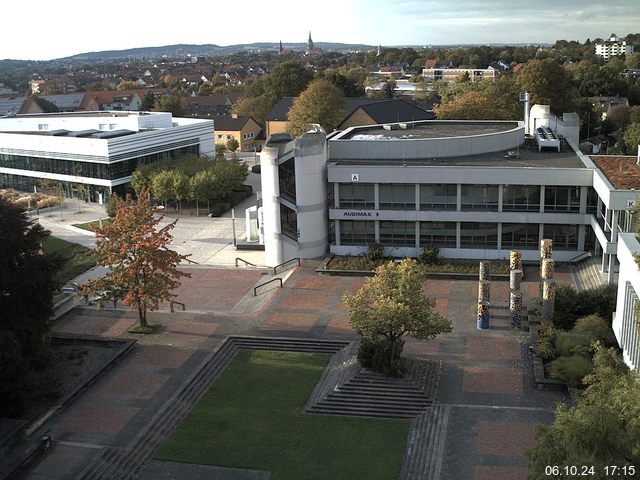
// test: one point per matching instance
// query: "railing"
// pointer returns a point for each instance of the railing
(255, 289)
(285, 264)
(184, 307)
(579, 257)
(191, 261)
(245, 262)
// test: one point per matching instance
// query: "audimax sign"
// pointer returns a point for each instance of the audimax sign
(360, 213)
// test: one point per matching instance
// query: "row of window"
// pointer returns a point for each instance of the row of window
(473, 197)
(444, 234)
(105, 171)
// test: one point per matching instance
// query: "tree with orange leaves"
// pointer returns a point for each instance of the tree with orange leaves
(142, 269)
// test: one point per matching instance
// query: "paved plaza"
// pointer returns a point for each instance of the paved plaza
(486, 381)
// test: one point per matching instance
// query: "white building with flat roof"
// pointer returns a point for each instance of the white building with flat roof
(97, 149)
(613, 47)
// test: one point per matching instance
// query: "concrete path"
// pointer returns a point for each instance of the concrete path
(486, 388)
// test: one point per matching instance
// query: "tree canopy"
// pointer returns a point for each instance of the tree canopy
(392, 304)
(549, 84)
(26, 292)
(320, 103)
(142, 268)
(602, 429)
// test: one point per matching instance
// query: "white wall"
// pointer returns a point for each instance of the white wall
(624, 324)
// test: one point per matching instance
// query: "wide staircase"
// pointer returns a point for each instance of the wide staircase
(586, 274)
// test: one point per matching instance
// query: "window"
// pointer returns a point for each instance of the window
(356, 195)
(521, 198)
(401, 196)
(43, 126)
(478, 235)
(592, 200)
(440, 234)
(564, 237)
(229, 137)
(399, 234)
(288, 222)
(438, 196)
(561, 199)
(287, 179)
(480, 197)
(102, 126)
(353, 232)
(520, 235)
(220, 137)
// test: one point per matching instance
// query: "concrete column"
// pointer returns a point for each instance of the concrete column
(515, 279)
(482, 322)
(484, 291)
(515, 308)
(500, 199)
(459, 198)
(548, 299)
(485, 270)
(336, 231)
(515, 260)
(547, 268)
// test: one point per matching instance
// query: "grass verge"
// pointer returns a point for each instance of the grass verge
(76, 259)
(94, 225)
(253, 417)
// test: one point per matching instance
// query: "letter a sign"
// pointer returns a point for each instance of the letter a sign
(355, 177)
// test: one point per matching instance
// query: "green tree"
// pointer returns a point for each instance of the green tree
(254, 107)
(147, 101)
(180, 187)
(169, 103)
(232, 144)
(287, 79)
(631, 138)
(26, 303)
(320, 103)
(392, 304)
(549, 84)
(142, 269)
(602, 429)
(202, 187)
(162, 186)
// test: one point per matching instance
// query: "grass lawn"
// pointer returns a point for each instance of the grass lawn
(253, 417)
(93, 226)
(76, 258)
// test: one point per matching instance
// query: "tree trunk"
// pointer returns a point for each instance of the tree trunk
(142, 316)
(197, 208)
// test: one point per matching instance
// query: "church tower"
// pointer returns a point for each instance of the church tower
(310, 46)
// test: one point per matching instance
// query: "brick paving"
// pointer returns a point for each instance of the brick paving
(486, 380)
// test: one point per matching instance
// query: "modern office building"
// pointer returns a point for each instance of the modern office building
(97, 149)
(625, 319)
(475, 189)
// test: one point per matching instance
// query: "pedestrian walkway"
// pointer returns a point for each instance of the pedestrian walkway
(486, 404)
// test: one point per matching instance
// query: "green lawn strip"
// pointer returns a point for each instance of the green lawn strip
(76, 259)
(94, 225)
(253, 417)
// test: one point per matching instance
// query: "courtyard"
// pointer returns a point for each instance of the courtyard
(486, 405)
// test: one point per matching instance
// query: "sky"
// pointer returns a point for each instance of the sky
(45, 30)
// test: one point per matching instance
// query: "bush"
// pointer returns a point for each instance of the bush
(375, 252)
(255, 168)
(110, 206)
(597, 329)
(545, 344)
(571, 369)
(564, 311)
(570, 343)
(571, 305)
(428, 255)
(376, 355)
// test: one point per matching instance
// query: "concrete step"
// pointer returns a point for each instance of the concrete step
(366, 411)
(367, 400)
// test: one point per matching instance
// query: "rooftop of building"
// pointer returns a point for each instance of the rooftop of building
(523, 157)
(622, 171)
(430, 129)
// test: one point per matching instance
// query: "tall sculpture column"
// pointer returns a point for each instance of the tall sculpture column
(515, 308)
(515, 280)
(548, 299)
(546, 249)
(484, 289)
(515, 260)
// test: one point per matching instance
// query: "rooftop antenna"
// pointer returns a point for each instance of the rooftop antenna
(524, 98)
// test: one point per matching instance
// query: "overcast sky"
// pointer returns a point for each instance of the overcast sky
(43, 30)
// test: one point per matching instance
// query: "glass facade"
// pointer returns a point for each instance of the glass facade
(480, 197)
(288, 222)
(397, 196)
(440, 234)
(287, 179)
(478, 235)
(398, 234)
(565, 237)
(105, 171)
(562, 199)
(438, 196)
(520, 235)
(356, 195)
(357, 233)
(521, 198)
